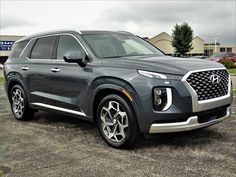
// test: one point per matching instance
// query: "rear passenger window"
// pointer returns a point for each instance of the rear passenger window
(42, 48)
(18, 48)
(67, 43)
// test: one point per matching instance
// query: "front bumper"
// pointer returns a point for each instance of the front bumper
(191, 124)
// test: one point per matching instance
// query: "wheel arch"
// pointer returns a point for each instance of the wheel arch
(11, 82)
(107, 89)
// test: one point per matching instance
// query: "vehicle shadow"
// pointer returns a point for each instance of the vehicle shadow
(48, 118)
(180, 139)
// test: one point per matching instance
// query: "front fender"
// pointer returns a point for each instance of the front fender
(117, 86)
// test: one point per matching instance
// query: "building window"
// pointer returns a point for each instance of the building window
(229, 49)
(208, 52)
(222, 49)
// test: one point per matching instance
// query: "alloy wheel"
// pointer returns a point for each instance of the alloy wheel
(114, 121)
(18, 103)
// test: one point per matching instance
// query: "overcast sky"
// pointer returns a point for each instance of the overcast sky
(209, 19)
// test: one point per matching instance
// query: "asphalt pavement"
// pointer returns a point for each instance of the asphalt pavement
(52, 145)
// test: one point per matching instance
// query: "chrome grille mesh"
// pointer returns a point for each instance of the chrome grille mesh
(205, 88)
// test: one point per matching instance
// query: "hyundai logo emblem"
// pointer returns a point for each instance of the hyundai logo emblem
(215, 79)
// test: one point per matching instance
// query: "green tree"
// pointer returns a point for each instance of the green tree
(182, 37)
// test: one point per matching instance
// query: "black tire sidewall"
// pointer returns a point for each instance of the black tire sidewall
(132, 125)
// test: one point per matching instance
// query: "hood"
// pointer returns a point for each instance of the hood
(162, 64)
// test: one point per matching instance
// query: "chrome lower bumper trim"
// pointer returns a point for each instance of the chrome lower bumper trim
(190, 124)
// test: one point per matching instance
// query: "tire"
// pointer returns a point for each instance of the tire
(117, 122)
(19, 104)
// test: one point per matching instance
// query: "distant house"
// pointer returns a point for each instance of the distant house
(198, 46)
(163, 42)
(211, 48)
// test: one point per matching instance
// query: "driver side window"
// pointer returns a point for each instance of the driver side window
(67, 43)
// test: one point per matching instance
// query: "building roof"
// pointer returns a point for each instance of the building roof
(162, 33)
(165, 33)
(5, 35)
(198, 38)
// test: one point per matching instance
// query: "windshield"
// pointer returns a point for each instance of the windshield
(119, 45)
(217, 55)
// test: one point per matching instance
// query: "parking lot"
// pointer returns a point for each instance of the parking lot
(54, 145)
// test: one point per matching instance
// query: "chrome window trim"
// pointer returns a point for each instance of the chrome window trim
(57, 34)
(24, 48)
(198, 106)
(80, 113)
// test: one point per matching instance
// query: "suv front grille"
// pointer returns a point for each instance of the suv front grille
(206, 87)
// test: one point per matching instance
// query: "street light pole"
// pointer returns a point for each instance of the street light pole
(215, 44)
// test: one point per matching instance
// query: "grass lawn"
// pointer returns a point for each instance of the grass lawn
(1, 173)
(234, 91)
(232, 71)
(1, 81)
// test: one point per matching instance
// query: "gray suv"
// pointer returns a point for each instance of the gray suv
(116, 79)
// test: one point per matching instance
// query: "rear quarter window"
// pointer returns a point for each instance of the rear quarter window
(18, 48)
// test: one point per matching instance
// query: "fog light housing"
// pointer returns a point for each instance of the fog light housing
(162, 99)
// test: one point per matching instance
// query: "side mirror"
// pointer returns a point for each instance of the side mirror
(74, 57)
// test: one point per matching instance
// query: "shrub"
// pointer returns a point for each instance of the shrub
(228, 64)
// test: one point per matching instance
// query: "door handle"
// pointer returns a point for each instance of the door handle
(25, 68)
(55, 70)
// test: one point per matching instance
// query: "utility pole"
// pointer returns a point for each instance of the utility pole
(215, 44)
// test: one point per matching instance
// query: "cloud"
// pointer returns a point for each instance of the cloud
(10, 22)
(209, 19)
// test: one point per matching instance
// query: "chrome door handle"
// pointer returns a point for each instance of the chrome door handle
(55, 70)
(25, 68)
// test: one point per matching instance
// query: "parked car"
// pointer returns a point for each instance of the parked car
(1, 66)
(219, 57)
(116, 79)
(200, 57)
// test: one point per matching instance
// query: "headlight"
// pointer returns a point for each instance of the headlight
(154, 75)
(162, 99)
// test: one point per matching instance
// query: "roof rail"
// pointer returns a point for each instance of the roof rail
(126, 32)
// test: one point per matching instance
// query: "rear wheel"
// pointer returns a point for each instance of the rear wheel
(117, 122)
(19, 104)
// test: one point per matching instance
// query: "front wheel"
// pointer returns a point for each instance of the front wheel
(116, 121)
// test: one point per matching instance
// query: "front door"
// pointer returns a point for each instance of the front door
(69, 81)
